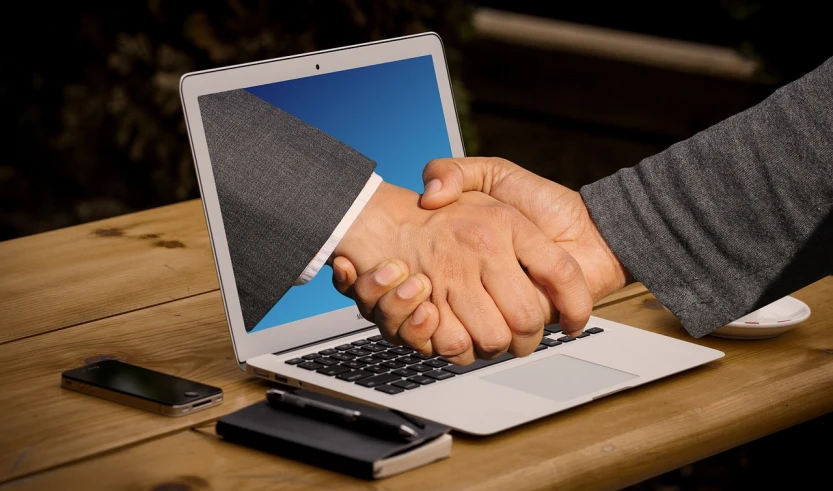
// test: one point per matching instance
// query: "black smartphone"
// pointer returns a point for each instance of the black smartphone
(142, 388)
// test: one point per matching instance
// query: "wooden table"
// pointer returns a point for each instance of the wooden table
(142, 288)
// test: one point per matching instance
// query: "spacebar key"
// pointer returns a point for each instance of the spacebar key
(456, 369)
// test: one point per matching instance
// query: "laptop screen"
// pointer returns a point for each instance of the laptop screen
(390, 112)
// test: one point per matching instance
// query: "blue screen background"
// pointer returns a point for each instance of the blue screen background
(391, 113)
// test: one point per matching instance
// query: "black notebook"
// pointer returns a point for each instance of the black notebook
(289, 433)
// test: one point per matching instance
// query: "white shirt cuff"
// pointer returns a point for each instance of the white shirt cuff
(320, 259)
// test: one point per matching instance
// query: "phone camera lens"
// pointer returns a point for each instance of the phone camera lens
(317, 67)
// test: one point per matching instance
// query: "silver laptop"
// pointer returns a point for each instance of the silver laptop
(400, 100)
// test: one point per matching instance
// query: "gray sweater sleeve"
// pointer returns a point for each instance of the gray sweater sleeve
(735, 217)
(283, 187)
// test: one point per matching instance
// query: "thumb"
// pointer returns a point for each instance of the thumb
(446, 179)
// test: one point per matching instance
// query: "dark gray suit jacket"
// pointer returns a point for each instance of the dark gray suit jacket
(735, 217)
(283, 187)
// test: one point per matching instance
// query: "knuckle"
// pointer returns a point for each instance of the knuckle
(495, 343)
(567, 270)
(527, 319)
(455, 344)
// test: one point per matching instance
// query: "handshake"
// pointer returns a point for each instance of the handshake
(478, 264)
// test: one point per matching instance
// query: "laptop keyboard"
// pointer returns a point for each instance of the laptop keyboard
(377, 364)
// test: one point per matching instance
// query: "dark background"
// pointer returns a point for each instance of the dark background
(92, 113)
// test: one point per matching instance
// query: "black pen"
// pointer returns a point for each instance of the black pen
(336, 414)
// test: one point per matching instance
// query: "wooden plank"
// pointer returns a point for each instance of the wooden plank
(642, 103)
(188, 338)
(760, 387)
(631, 47)
(57, 279)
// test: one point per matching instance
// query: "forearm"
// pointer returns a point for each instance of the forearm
(283, 187)
(723, 223)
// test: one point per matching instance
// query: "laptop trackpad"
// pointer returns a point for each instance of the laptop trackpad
(560, 377)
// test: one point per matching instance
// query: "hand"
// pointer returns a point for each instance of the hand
(558, 211)
(474, 250)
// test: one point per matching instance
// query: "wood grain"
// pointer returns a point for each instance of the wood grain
(188, 338)
(57, 279)
(758, 388)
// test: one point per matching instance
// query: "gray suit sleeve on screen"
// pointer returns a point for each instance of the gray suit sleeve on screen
(283, 187)
(735, 217)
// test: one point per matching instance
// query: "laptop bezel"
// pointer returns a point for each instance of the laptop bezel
(192, 85)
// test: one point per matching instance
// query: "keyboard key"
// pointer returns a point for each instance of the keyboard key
(442, 358)
(401, 350)
(294, 361)
(378, 380)
(458, 370)
(439, 374)
(384, 356)
(594, 330)
(550, 342)
(541, 347)
(377, 337)
(340, 357)
(352, 364)
(389, 389)
(404, 372)
(373, 348)
(421, 368)
(311, 356)
(376, 369)
(408, 360)
(406, 384)
(359, 352)
(582, 335)
(393, 364)
(422, 380)
(354, 375)
(554, 328)
(419, 356)
(326, 360)
(327, 352)
(368, 360)
(309, 365)
(386, 344)
(435, 363)
(344, 347)
(566, 339)
(360, 342)
(333, 370)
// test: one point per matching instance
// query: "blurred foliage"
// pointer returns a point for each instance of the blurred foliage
(91, 93)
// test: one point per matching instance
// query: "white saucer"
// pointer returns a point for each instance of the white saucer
(767, 322)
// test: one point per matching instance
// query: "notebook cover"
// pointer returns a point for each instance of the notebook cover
(289, 433)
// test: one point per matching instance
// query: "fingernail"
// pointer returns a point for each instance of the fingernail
(433, 186)
(341, 275)
(410, 288)
(419, 315)
(389, 273)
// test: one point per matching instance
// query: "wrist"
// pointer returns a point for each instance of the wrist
(372, 237)
(615, 274)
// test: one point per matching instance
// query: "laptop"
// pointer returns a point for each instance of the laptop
(400, 104)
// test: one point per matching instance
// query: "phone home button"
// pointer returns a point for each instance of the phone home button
(191, 393)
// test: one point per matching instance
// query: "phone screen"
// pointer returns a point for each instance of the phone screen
(140, 382)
